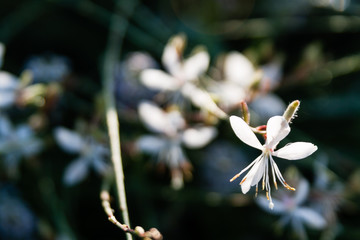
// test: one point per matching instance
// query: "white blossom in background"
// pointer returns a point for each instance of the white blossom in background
(277, 129)
(48, 68)
(328, 195)
(91, 155)
(293, 210)
(172, 134)
(16, 142)
(238, 75)
(182, 76)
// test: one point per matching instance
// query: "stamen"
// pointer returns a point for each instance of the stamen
(235, 177)
(288, 187)
(256, 191)
(242, 181)
(267, 195)
(263, 183)
(273, 174)
(245, 169)
(271, 205)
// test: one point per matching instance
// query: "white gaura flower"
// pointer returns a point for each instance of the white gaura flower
(172, 134)
(276, 130)
(91, 154)
(182, 75)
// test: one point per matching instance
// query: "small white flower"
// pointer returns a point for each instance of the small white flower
(182, 75)
(16, 143)
(293, 212)
(238, 75)
(180, 72)
(277, 129)
(91, 154)
(238, 69)
(167, 146)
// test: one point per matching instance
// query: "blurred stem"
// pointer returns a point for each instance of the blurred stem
(47, 188)
(17, 20)
(143, 39)
(105, 197)
(118, 26)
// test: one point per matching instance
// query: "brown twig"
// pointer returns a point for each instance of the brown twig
(139, 232)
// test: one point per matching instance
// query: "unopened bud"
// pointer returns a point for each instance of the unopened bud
(139, 230)
(155, 234)
(179, 42)
(245, 112)
(290, 112)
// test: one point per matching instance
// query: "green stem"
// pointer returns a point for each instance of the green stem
(117, 31)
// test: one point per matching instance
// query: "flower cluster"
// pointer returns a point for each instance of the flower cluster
(178, 114)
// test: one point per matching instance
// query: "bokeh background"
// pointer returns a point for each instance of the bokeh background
(314, 46)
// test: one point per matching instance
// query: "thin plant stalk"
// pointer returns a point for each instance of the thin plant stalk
(116, 35)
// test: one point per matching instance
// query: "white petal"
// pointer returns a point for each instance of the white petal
(156, 119)
(5, 126)
(196, 65)
(310, 217)
(295, 151)
(244, 133)
(173, 53)
(159, 80)
(24, 132)
(239, 69)
(150, 144)
(277, 129)
(228, 93)
(255, 173)
(76, 171)
(198, 137)
(70, 141)
(201, 99)
(100, 166)
(8, 81)
(259, 173)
